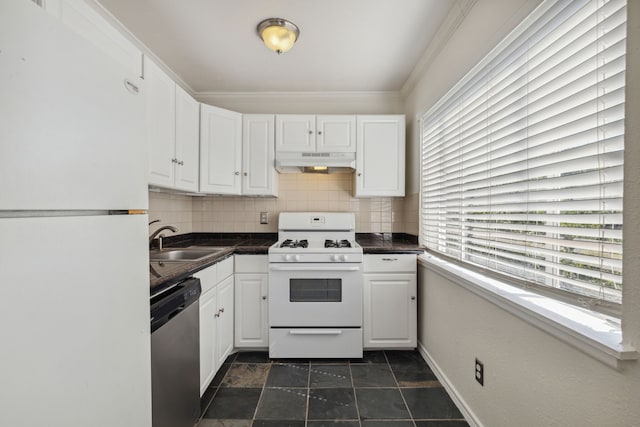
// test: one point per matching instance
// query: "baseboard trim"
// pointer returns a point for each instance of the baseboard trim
(455, 396)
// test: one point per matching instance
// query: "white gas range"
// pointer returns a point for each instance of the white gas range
(315, 287)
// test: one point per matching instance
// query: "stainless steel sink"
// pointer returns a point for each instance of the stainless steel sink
(188, 254)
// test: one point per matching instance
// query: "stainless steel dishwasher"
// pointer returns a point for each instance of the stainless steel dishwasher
(175, 355)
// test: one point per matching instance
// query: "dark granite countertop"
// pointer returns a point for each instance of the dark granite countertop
(388, 243)
(165, 274)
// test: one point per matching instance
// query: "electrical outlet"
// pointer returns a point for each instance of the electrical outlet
(480, 372)
(264, 217)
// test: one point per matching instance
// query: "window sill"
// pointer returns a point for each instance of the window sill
(596, 334)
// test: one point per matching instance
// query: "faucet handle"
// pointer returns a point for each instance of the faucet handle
(154, 221)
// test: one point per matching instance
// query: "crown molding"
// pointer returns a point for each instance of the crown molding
(330, 102)
(451, 23)
(113, 21)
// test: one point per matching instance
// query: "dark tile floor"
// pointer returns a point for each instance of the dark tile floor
(383, 389)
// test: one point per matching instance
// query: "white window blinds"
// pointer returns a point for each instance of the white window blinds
(522, 161)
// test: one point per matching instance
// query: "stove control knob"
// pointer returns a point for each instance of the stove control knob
(297, 258)
(343, 258)
(287, 257)
(335, 258)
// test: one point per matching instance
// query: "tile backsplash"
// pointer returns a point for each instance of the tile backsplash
(297, 192)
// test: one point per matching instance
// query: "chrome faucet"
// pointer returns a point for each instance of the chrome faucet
(155, 233)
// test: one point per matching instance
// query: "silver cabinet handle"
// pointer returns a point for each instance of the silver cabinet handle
(359, 174)
(315, 332)
(174, 160)
(319, 132)
(413, 298)
(312, 268)
(181, 163)
(131, 87)
(236, 173)
(264, 297)
(389, 259)
(245, 174)
(216, 315)
(222, 310)
(310, 132)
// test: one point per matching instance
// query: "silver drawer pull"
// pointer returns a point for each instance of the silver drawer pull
(131, 87)
(332, 269)
(315, 332)
(389, 259)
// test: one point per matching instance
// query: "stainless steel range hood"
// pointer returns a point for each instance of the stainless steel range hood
(289, 162)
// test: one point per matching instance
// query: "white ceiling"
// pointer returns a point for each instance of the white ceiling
(344, 45)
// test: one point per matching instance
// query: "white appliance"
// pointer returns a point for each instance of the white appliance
(74, 300)
(297, 162)
(315, 287)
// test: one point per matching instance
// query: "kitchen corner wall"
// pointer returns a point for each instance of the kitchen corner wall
(298, 192)
(171, 209)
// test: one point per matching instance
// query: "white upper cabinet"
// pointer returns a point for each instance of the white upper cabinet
(160, 124)
(296, 133)
(87, 22)
(220, 150)
(302, 133)
(172, 131)
(259, 177)
(335, 134)
(187, 153)
(380, 156)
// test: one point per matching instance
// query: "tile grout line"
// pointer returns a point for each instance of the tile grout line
(264, 385)
(400, 391)
(355, 398)
(306, 414)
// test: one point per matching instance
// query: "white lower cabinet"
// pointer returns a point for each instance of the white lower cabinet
(251, 304)
(216, 318)
(390, 303)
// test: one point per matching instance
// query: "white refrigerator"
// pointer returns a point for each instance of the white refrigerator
(74, 285)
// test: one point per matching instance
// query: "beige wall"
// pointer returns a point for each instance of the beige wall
(298, 192)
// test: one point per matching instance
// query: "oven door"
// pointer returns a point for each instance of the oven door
(315, 294)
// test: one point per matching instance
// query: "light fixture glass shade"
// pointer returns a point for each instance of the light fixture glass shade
(278, 34)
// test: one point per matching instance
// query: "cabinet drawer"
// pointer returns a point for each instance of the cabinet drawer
(392, 263)
(315, 343)
(225, 269)
(208, 277)
(251, 264)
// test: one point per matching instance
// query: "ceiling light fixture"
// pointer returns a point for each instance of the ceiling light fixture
(278, 34)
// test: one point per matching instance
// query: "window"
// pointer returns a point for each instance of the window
(522, 161)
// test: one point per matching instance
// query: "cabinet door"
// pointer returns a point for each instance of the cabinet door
(160, 124)
(251, 328)
(390, 311)
(380, 156)
(187, 156)
(224, 343)
(296, 133)
(336, 134)
(208, 360)
(81, 18)
(220, 150)
(259, 176)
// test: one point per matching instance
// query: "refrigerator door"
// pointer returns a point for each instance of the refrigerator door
(71, 122)
(74, 322)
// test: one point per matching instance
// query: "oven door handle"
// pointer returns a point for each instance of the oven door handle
(332, 268)
(315, 332)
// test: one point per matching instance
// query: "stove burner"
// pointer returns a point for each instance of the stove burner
(294, 244)
(337, 243)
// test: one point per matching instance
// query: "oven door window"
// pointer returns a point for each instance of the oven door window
(315, 290)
